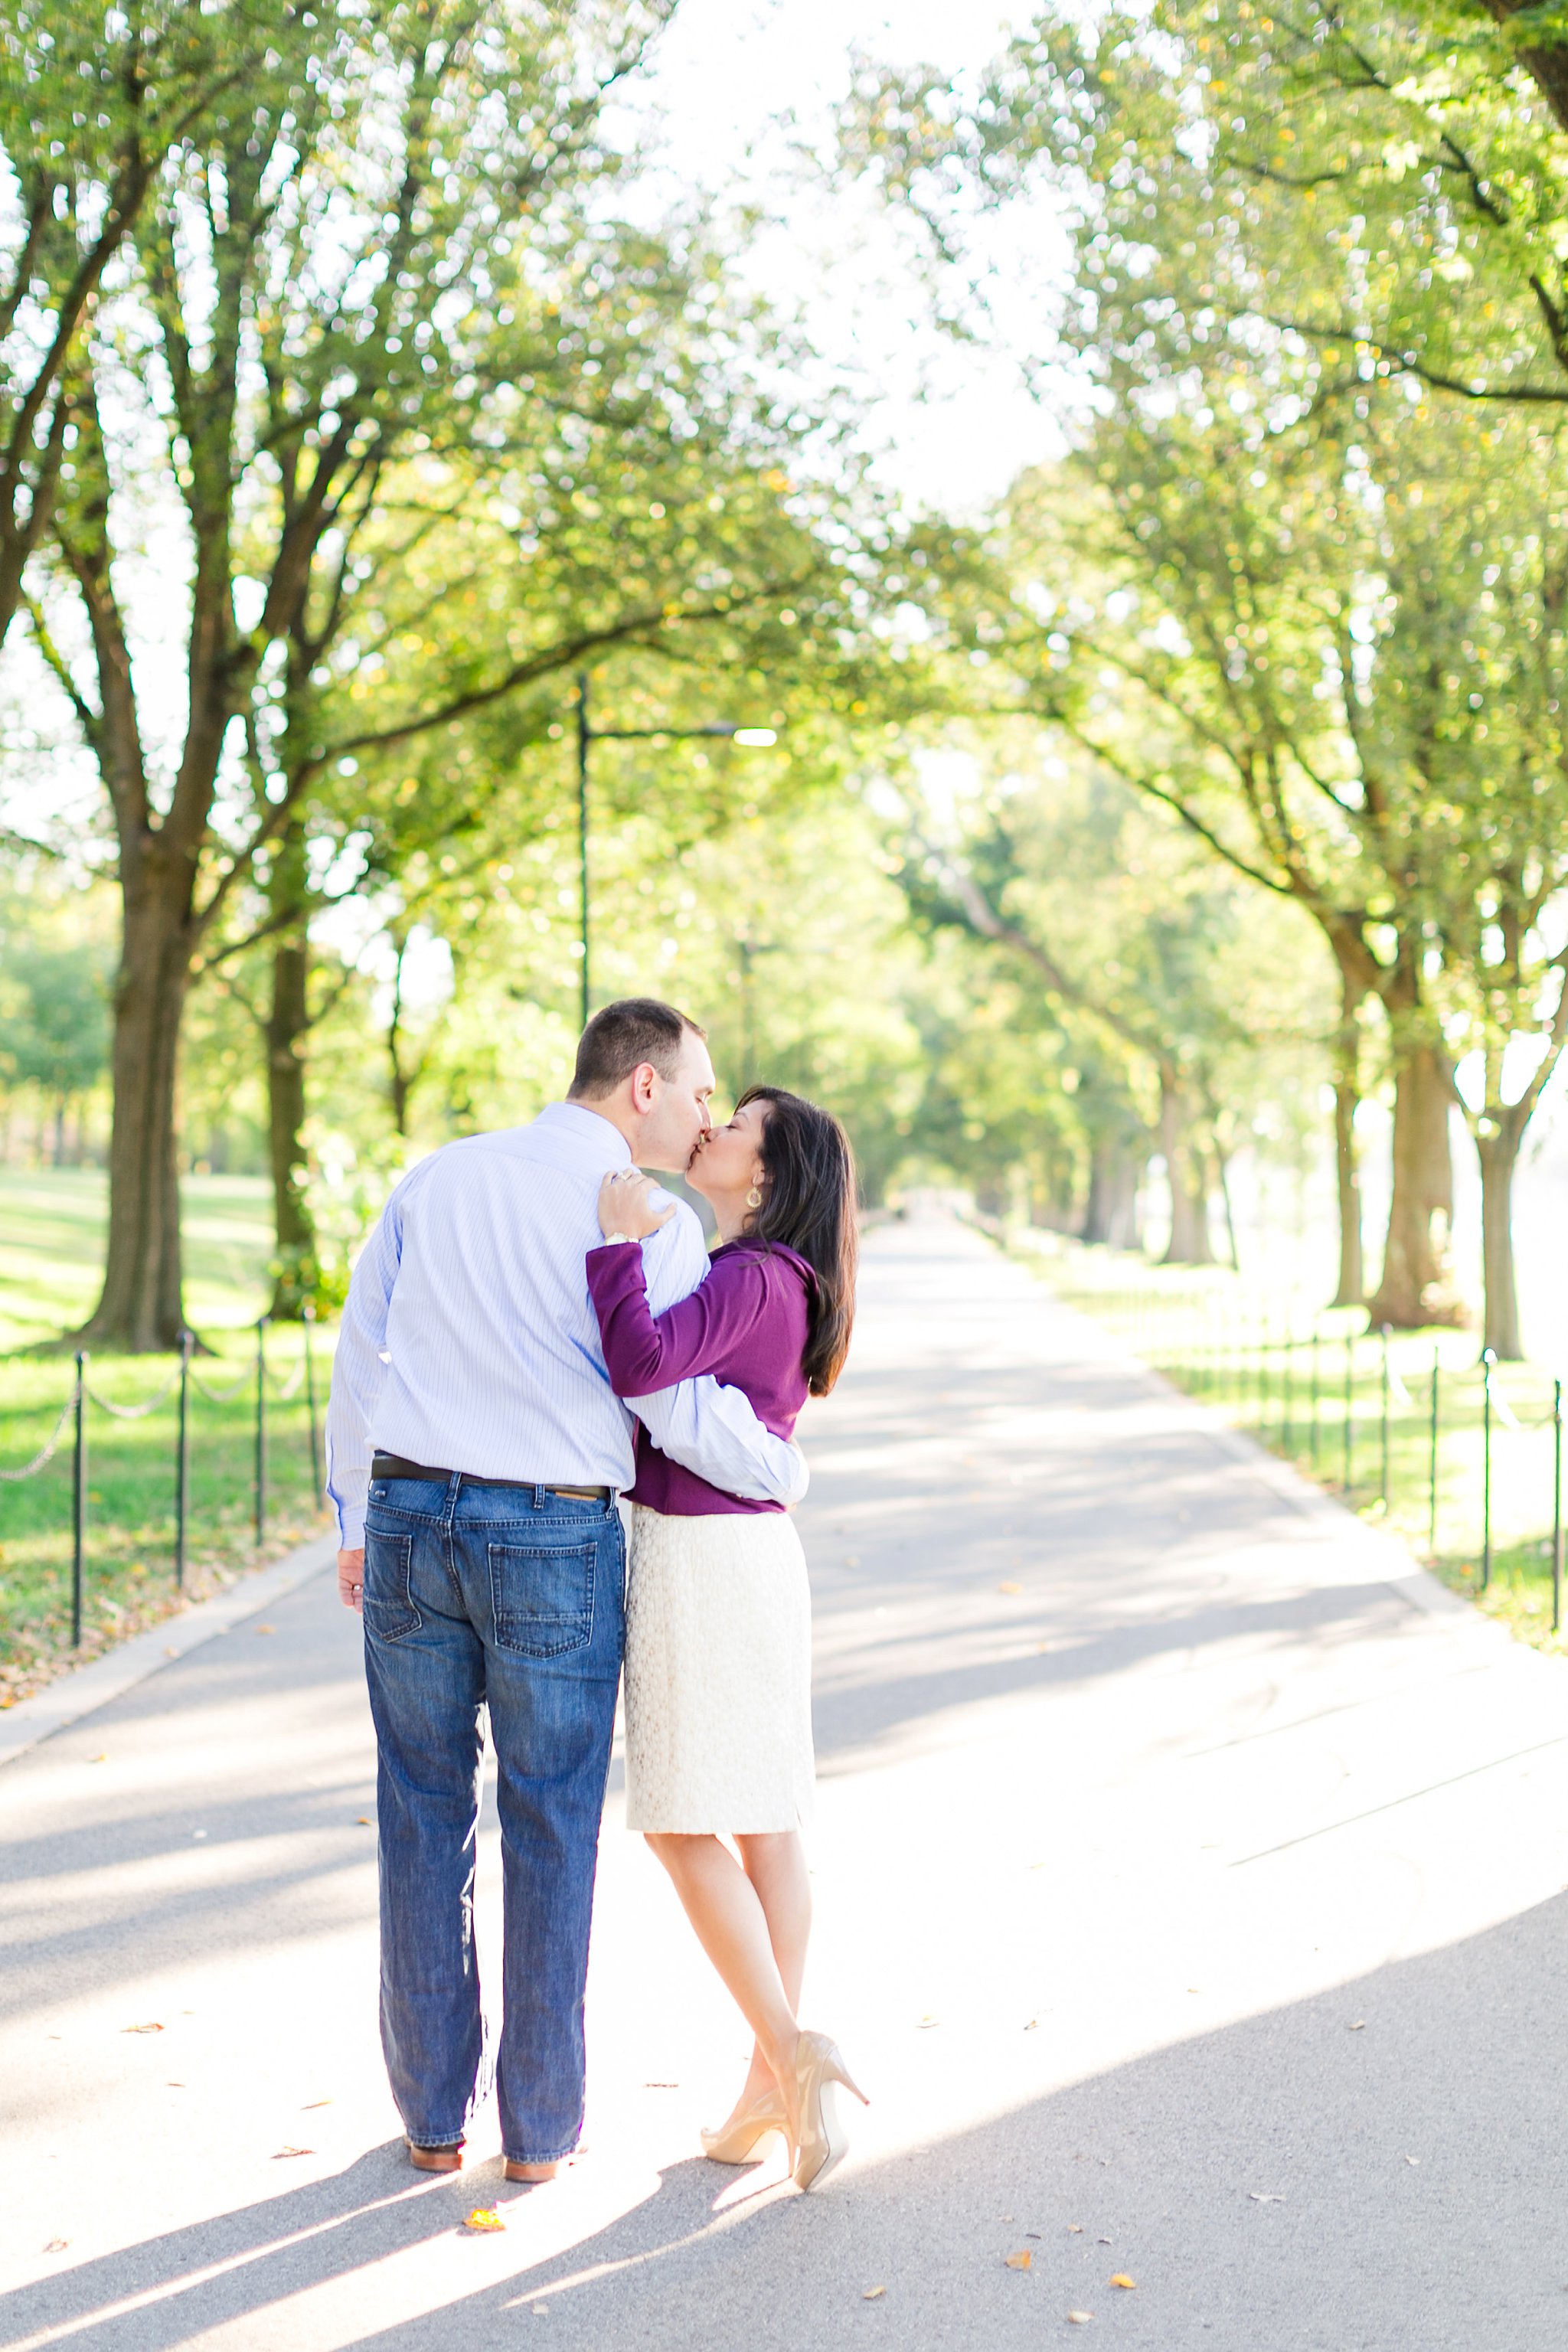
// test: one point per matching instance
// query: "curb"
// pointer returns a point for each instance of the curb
(109, 1677)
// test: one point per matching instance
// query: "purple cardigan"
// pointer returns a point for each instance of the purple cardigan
(746, 1323)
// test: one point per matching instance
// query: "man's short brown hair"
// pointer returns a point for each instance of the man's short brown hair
(622, 1036)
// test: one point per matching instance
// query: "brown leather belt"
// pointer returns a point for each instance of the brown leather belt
(392, 1465)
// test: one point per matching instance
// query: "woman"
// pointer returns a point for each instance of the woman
(718, 1674)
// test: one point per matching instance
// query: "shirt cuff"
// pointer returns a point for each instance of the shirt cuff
(351, 1528)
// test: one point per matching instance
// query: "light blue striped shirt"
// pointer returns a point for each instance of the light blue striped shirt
(469, 1342)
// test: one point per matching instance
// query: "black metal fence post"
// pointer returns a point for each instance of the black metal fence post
(309, 1317)
(1557, 1507)
(261, 1430)
(1432, 1476)
(183, 1461)
(1487, 1360)
(1382, 1482)
(79, 1498)
(1287, 1434)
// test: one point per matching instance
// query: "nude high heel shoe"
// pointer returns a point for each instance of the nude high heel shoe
(736, 2141)
(824, 2141)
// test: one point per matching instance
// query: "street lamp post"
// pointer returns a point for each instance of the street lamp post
(749, 738)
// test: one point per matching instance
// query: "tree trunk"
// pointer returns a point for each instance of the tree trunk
(1415, 1288)
(1186, 1175)
(402, 1077)
(141, 1308)
(1499, 1155)
(1351, 1287)
(295, 1268)
(1110, 1212)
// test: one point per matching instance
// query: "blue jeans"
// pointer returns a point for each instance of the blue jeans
(513, 1597)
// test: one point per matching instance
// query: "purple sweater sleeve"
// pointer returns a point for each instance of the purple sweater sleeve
(643, 1351)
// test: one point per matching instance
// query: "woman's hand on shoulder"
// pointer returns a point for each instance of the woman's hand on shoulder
(625, 1205)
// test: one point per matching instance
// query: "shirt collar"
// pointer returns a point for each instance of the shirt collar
(591, 1128)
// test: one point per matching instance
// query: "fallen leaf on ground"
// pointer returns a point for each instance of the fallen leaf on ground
(282, 2152)
(1360, 2025)
(141, 2029)
(56, 2245)
(484, 2217)
(1021, 2260)
(1103, 2242)
(929, 2021)
(539, 2310)
(1075, 2229)
(1009, 1586)
(870, 2294)
(267, 1629)
(174, 2086)
(1031, 2025)
(1120, 2278)
(311, 2103)
(1080, 2318)
(1031, 2233)
(1413, 2159)
(1265, 2197)
(362, 1820)
(99, 1760)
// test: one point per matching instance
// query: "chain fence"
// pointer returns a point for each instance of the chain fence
(1416, 1425)
(183, 1382)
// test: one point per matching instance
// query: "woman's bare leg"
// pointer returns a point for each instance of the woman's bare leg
(775, 1861)
(726, 1910)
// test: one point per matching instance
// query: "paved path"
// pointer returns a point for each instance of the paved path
(1191, 1900)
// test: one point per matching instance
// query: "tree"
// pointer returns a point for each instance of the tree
(1139, 945)
(1389, 183)
(1272, 221)
(676, 549)
(1344, 672)
(89, 108)
(357, 290)
(56, 1029)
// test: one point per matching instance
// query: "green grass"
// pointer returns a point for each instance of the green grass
(51, 1248)
(1309, 1383)
(52, 1226)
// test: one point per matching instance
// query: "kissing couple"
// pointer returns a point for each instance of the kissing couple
(532, 1332)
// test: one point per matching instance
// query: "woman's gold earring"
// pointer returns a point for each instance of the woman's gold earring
(754, 1199)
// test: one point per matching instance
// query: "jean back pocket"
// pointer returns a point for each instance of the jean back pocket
(542, 1596)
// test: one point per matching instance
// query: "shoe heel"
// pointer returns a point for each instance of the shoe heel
(839, 2072)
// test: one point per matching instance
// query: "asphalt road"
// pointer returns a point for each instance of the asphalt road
(1191, 1900)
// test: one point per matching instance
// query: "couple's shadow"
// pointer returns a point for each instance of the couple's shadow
(225, 2274)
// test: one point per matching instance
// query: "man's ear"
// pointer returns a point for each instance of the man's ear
(644, 1086)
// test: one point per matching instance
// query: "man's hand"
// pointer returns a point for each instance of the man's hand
(625, 1205)
(351, 1580)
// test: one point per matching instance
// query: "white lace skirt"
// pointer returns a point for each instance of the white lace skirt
(718, 1674)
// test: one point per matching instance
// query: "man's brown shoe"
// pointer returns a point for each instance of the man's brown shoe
(535, 2172)
(435, 2159)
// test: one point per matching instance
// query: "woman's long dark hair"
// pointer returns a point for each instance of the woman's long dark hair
(808, 1204)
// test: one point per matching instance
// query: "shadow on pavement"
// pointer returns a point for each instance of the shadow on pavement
(1377, 2168)
(849, 1716)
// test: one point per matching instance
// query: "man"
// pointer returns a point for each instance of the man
(474, 1452)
